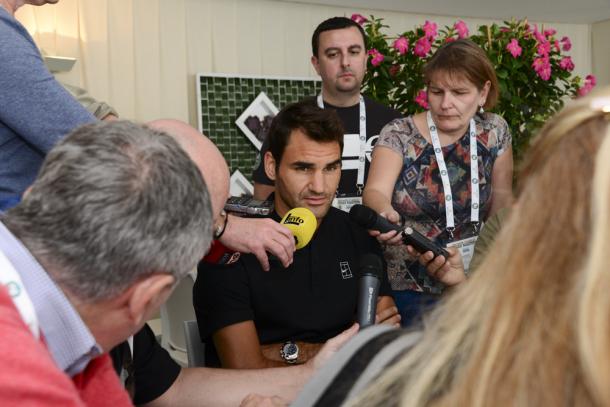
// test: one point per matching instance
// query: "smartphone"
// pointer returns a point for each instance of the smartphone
(421, 243)
(247, 205)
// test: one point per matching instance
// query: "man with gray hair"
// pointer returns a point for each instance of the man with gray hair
(117, 215)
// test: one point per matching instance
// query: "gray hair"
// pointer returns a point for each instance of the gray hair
(113, 203)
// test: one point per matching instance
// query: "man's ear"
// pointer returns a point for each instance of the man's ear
(147, 295)
(315, 63)
(270, 165)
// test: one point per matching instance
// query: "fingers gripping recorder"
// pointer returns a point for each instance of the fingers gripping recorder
(369, 219)
(302, 223)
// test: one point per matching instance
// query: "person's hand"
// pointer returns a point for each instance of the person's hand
(448, 271)
(392, 237)
(256, 400)
(388, 316)
(331, 347)
(259, 236)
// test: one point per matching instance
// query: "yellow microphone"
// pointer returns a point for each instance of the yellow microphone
(302, 223)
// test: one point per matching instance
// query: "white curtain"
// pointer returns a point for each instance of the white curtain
(141, 56)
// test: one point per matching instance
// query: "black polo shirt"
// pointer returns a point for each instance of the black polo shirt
(312, 300)
(154, 371)
(377, 116)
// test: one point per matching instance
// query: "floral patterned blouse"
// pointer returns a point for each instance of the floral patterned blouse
(418, 193)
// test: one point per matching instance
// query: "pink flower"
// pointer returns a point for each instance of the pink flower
(422, 99)
(377, 57)
(401, 45)
(430, 30)
(544, 48)
(449, 39)
(514, 48)
(566, 44)
(394, 69)
(504, 29)
(422, 47)
(550, 32)
(542, 66)
(461, 28)
(566, 64)
(590, 82)
(556, 45)
(359, 18)
(538, 35)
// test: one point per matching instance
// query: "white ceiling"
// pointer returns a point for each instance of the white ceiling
(561, 11)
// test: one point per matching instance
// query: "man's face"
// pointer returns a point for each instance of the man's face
(308, 175)
(341, 60)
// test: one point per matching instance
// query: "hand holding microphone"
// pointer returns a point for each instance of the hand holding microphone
(369, 219)
(302, 224)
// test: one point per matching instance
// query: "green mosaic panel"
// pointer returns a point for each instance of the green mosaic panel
(224, 99)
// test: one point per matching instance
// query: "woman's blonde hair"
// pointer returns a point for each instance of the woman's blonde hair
(532, 325)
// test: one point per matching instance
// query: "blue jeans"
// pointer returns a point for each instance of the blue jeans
(413, 305)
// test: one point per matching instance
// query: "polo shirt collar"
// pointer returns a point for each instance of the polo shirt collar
(68, 339)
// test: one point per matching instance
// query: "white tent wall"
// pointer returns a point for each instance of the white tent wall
(141, 56)
(600, 54)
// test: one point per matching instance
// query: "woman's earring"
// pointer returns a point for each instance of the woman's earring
(481, 110)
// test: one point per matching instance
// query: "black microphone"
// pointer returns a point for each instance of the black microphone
(369, 219)
(370, 269)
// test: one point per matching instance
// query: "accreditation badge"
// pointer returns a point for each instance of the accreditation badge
(466, 248)
(345, 203)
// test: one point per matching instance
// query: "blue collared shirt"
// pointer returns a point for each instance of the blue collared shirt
(70, 342)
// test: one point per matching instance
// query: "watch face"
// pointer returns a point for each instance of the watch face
(290, 349)
(290, 352)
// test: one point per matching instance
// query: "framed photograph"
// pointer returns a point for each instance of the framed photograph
(240, 185)
(254, 122)
(225, 98)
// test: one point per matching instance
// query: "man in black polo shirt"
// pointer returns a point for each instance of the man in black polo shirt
(250, 318)
(149, 373)
(340, 57)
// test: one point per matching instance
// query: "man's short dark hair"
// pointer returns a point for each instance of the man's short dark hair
(321, 125)
(334, 23)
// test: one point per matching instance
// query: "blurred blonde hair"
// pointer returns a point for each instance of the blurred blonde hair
(532, 326)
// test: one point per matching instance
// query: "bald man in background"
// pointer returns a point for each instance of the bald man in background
(159, 381)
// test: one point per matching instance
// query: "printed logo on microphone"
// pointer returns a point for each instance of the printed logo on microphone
(371, 290)
(346, 272)
(293, 220)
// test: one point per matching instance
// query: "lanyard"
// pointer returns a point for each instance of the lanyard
(12, 281)
(474, 174)
(362, 137)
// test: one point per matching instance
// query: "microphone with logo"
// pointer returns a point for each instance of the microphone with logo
(302, 223)
(371, 269)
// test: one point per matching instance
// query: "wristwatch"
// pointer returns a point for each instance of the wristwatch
(289, 352)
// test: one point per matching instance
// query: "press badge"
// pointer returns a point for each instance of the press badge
(466, 248)
(346, 203)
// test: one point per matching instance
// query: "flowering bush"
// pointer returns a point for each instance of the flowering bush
(533, 73)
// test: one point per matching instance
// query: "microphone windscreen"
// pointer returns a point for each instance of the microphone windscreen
(363, 215)
(302, 223)
(370, 264)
